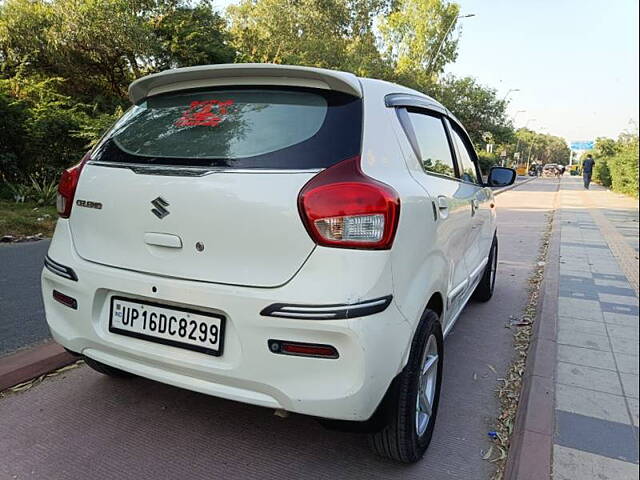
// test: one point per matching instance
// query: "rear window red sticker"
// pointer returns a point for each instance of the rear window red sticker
(205, 113)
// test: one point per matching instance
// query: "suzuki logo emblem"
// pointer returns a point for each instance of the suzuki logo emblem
(160, 211)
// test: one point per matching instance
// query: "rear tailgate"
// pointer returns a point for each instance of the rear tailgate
(236, 228)
(203, 184)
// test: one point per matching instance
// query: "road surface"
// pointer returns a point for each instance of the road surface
(22, 322)
(84, 425)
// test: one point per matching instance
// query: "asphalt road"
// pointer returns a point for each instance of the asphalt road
(84, 425)
(22, 322)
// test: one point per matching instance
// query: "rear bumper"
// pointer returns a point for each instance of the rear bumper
(371, 348)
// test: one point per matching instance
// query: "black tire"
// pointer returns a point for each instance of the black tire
(106, 369)
(484, 290)
(399, 439)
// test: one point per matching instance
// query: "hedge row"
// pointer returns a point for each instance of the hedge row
(619, 171)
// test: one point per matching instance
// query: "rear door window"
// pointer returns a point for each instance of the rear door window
(238, 127)
(468, 169)
(432, 144)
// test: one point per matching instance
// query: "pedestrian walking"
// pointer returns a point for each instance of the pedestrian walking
(587, 170)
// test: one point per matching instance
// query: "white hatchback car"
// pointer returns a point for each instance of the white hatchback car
(290, 237)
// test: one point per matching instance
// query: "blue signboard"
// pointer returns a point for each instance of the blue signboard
(582, 145)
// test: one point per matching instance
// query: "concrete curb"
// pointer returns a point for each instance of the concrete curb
(530, 453)
(27, 364)
(515, 185)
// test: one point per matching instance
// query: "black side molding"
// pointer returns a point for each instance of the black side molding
(59, 269)
(328, 312)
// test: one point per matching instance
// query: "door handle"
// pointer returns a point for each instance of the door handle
(474, 206)
(443, 206)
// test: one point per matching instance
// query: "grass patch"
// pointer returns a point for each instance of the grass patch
(20, 219)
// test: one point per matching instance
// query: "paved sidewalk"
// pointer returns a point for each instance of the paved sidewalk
(596, 384)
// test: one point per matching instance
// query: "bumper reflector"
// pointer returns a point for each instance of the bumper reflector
(299, 349)
(65, 300)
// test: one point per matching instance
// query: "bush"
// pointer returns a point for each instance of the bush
(617, 163)
(43, 191)
(601, 173)
(624, 172)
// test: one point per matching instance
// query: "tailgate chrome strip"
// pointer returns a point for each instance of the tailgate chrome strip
(59, 269)
(333, 312)
(186, 171)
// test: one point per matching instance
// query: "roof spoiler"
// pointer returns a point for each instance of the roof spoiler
(243, 74)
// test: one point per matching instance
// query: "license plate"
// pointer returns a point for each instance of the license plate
(178, 327)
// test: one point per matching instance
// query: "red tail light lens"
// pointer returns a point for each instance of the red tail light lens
(67, 187)
(342, 207)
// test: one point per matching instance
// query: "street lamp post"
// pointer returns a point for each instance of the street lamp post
(531, 148)
(432, 59)
(525, 126)
(515, 116)
(514, 124)
(509, 91)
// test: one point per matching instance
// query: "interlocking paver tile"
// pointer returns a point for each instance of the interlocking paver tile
(619, 308)
(581, 309)
(625, 345)
(607, 276)
(571, 464)
(620, 319)
(597, 436)
(629, 384)
(584, 326)
(612, 283)
(622, 330)
(627, 363)
(585, 340)
(593, 404)
(619, 299)
(566, 269)
(590, 378)
(586, 356)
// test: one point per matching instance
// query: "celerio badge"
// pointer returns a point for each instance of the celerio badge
(160, 211)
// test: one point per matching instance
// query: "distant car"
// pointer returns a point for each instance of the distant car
(289, 237)
(551, 170)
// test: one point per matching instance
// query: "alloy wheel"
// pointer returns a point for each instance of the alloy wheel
(427, 385)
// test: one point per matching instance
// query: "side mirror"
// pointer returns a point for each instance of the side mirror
(501, 177)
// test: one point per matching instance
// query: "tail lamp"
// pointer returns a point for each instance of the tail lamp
(342, 207)
(67, 187)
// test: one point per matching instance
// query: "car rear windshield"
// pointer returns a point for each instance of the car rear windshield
(272, 128)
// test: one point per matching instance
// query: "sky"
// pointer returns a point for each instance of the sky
(574, 62)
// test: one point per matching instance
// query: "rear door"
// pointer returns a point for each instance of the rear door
(203, 184)
(478, 197)
(428, 135)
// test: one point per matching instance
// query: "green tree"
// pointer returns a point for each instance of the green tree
(48, 125)
(476, 106)
(419, 38)
(298, 32)
(186, 36)
(99, 46)
(13, 116)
